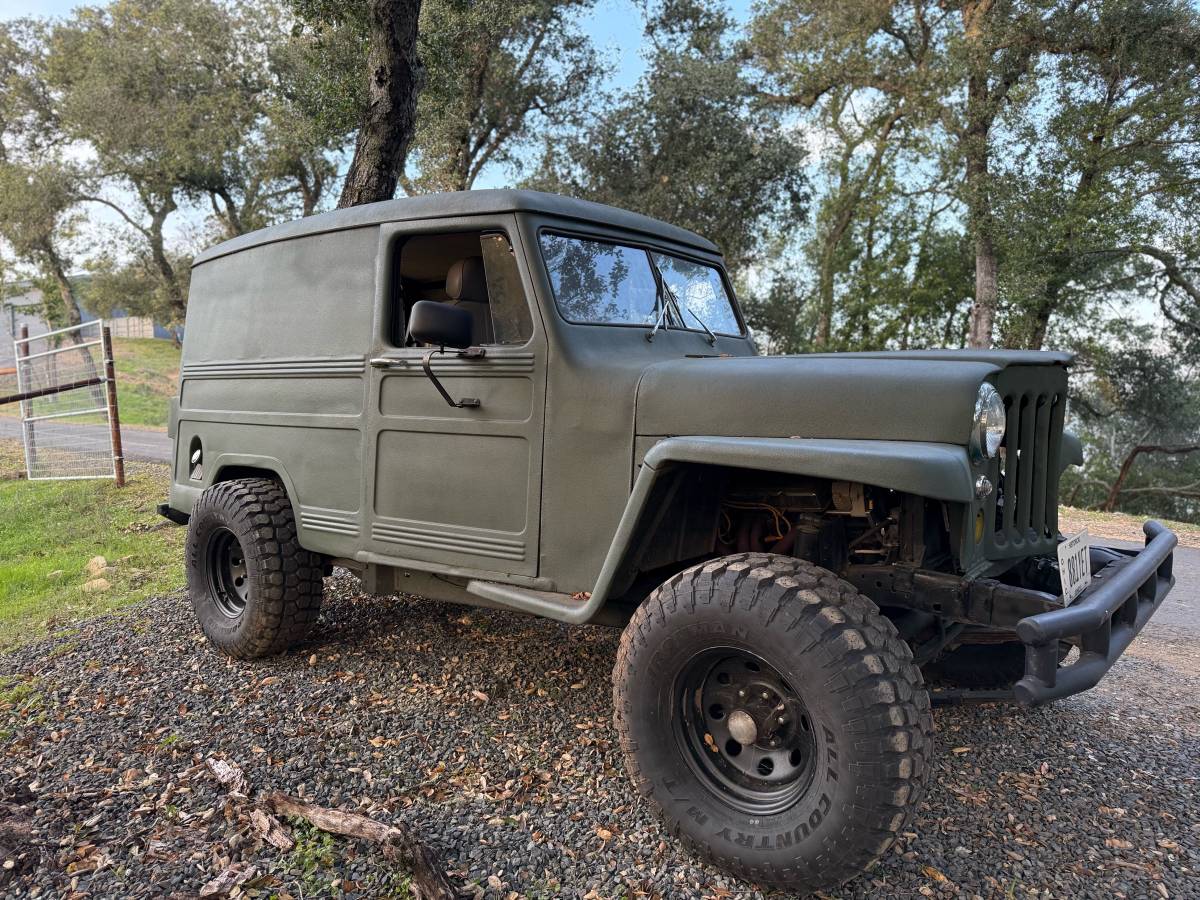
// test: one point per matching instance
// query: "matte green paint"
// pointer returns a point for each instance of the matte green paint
(287, 367)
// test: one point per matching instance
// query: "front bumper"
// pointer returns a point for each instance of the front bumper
(1104, 621)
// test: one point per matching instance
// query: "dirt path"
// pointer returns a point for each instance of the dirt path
(1120, 527)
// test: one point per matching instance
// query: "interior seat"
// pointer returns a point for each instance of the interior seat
(466, 286)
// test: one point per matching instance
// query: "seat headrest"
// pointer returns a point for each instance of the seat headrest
(465, 280)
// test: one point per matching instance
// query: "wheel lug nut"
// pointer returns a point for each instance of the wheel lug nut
(741, 693)
(781, 720)
(766, 696)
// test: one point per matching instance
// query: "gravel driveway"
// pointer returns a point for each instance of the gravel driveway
(490, 734)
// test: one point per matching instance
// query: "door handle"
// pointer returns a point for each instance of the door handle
(384, 362)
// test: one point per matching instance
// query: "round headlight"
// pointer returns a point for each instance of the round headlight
(988, 429)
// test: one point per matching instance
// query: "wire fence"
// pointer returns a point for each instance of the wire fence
(66, 395)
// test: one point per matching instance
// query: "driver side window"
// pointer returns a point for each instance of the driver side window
(474, 270)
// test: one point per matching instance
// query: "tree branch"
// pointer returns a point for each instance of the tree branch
(1127, 464)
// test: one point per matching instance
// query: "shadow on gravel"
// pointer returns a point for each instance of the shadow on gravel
(489, 733)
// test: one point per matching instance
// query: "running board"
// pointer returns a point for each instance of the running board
(547, 604)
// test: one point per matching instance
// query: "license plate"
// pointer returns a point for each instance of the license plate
(1074, 566)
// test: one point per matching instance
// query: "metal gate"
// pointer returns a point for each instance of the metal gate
(67, 391)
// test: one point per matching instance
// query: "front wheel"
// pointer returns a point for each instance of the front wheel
(774, 718)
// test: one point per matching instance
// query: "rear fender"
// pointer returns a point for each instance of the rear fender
(233, 465)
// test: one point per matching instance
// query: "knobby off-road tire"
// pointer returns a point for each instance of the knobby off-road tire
(255, 590)
(857, 715)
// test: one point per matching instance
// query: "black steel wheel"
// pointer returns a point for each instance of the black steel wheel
(255, 590)
(774, 719)
(227, 580)
(746, 730)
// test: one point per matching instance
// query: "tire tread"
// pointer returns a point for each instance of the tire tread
(290, 589)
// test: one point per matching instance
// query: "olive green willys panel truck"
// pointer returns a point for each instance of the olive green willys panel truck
(517, 400)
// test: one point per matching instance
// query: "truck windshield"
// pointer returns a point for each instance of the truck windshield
(597, 282)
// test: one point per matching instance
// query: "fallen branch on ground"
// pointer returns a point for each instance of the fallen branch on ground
(397, 843)
(429, 881)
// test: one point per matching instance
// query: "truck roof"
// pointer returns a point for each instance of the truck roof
(460, 203)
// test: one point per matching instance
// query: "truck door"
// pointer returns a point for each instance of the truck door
(458, 488)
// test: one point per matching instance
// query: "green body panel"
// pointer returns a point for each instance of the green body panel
(937, 471)
(812, 397)
(288, 367)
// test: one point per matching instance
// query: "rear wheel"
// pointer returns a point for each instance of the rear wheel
(255, 590)
(774, 718)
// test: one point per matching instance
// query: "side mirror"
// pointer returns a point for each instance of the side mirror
(440, 325)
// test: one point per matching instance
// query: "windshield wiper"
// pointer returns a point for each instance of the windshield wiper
(712, 338)
(662, 313)
(664, 290)
(665, 298)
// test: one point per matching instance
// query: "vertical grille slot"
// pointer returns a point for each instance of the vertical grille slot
(1025, 453)
(1041, 459)
(1012, 462)
(1058, 414)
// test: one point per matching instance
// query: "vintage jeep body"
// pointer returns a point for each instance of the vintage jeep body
(517, 400)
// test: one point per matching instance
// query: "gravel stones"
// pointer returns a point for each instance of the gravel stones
(489, 734)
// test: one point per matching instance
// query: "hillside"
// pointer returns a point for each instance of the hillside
(147, 379)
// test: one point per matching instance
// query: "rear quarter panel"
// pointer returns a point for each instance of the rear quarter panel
(273, 373)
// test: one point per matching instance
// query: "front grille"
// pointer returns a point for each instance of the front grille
(1023, 517)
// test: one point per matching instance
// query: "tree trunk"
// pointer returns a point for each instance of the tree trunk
(395, 77)
(59, 273)
(983, 310)
(975, 147)
(846, 202)
(162, 262)
(825, 291)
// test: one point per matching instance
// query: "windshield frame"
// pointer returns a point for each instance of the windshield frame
(649, 247)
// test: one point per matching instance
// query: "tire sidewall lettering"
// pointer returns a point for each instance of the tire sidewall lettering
(695, 802)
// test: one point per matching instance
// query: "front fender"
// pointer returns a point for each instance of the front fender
(937, 471)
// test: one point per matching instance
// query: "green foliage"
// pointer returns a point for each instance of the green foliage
(36, 207)
(1130, 395)
(1099, 184)
(497, 73)
(686, 141)
(135, 282)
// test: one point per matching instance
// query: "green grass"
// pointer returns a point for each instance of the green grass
(147, 379)
(50, 529)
